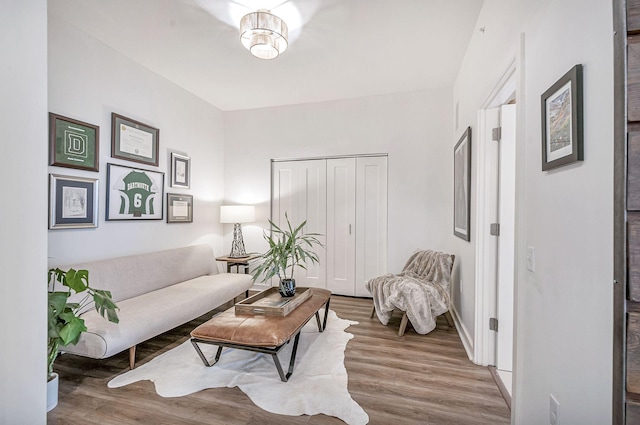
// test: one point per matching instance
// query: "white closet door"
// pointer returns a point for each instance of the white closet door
(371, 221)
(299, 190)
(341, 215)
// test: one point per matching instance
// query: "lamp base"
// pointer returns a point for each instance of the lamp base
(237, 246)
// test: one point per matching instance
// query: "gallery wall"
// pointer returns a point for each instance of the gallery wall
(88, 81)
(411, 128)
(23, 231)
(564, 307)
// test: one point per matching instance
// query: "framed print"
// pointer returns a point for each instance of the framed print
(73, 202)
(179, 208)
(562, 132)
(134, 194)
(462, 186)
(73, 143)
(180, 170)
(133, 140)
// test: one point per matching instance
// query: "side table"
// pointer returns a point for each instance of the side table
(238, 262)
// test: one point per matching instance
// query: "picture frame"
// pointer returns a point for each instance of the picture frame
(462, 186)
(180, 170)
(179, 208)
(562, 121)
(73, 143)
(134, 193)
(133, 140)
(73, 202)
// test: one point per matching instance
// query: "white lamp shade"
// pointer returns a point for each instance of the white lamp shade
(237, 214)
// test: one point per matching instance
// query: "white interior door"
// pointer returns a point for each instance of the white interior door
(506, 241)
(371, 221)
(341, 215)
(299, 190)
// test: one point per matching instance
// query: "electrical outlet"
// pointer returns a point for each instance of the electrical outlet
(554, 410)
(531, 258)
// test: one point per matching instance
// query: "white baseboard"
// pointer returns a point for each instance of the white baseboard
(467, 342)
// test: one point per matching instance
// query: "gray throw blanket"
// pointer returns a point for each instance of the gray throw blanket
(421, 290)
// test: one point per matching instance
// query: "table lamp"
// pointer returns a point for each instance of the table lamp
(237, 214)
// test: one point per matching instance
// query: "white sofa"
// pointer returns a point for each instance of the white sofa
(155, 292)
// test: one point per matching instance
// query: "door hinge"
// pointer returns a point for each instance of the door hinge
(493, 324)
(494, 229)
(496, 134)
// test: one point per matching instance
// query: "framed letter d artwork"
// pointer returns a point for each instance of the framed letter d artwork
(462, 186)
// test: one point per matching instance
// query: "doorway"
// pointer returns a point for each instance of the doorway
(495, 221)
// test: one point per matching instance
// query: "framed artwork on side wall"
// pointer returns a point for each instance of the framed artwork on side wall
(134, 193)
(462, 186)
(562, 127)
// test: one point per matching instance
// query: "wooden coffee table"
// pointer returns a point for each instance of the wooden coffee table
(262, 334)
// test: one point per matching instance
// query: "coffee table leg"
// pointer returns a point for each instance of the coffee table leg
(203, 358)
(322, 326)
(292, 361)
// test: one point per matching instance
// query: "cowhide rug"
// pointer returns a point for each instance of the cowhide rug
(318, 384)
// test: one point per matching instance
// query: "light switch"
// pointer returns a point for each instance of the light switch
(531, 258)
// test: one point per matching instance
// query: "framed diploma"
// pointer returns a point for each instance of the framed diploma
(73, 143)
(73, 202)
(133, 140)
(179, 208)
(134, 193)
(180, 170)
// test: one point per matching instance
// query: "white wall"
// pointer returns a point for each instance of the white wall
(88, 81)
(564, 309)
(412, 128)
(23, 111)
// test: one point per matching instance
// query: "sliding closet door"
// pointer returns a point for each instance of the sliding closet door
(299, 190)
(371, 221)
(341, 220)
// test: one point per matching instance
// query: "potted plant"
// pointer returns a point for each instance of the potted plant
(64, 324)
(288, 248)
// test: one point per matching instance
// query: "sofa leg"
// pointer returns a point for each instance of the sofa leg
(373, 311)
(132, 357)
(403, 323)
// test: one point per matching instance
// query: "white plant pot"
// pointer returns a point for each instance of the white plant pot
(52, 392)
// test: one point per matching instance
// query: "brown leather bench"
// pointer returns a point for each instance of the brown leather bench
(262, 334)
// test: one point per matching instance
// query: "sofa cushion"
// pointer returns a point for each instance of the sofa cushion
(147, 315)
(128, 277)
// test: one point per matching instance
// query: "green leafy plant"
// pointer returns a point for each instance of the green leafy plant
(288, 248)
(65, 325)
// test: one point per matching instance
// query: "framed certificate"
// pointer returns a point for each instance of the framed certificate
(133, 140)
(73, 143)
(179, 208)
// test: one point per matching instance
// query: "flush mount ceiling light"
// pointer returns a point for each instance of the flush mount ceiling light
(263, 34)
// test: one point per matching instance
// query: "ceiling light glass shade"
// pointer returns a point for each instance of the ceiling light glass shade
(263, 34)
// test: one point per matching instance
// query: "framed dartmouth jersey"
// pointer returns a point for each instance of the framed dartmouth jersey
(134, 193)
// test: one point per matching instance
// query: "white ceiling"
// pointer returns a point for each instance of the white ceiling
(344, 49)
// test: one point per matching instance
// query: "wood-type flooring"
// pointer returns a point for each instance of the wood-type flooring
(414, 379)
